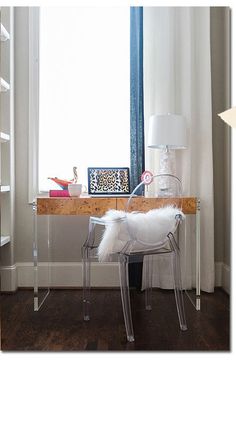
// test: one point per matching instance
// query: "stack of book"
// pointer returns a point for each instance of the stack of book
(59, 193)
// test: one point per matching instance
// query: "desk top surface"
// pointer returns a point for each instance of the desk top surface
(97, 206)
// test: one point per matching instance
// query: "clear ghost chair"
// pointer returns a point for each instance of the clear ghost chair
(136, 235)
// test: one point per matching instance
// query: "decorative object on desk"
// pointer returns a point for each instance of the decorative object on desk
(64, 183)
(108, 181)
(167, 133)
(229, 116)
(59, 193)
(147, 177)
(60, 182)
(75, 189)
(75, 180)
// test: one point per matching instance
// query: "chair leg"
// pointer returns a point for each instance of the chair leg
(86, 258)
(178, 289)
(86, 281)
(148, 290)
(125, 296)
(179, 298)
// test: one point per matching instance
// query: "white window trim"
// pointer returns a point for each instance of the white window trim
(33, 132)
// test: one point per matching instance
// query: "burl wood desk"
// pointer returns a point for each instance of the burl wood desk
(93, 206)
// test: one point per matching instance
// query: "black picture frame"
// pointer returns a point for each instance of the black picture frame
(110, 181)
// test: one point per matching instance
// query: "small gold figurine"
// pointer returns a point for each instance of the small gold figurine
(75, 180)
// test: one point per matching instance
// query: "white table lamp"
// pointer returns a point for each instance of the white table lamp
(167, 133)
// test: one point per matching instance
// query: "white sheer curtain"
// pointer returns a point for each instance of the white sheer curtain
(177, 79)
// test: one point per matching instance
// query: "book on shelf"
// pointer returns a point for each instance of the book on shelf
(59, 193)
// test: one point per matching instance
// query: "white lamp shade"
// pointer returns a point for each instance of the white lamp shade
(229, 116)
(167, 131)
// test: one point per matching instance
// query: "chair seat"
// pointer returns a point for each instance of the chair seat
(148, 230)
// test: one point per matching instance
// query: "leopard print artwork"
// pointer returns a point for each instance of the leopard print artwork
(108, 180)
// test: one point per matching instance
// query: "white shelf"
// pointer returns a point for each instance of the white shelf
(4, 240)
(5, 188)
(7, 151)
(4, 86)
(4, 137)
(4, 35)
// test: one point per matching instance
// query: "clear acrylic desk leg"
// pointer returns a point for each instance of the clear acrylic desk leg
(198, 253)
(197, 300)
(39, 298)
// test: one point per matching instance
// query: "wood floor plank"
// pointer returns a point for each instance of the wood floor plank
(59, 325)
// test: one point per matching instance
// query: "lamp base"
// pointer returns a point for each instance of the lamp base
(167, 161)
(166, 166)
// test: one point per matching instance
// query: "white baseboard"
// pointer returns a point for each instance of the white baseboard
(69, 274)
(226, 278)
(9, 278)
(218, 273)
(222, 276)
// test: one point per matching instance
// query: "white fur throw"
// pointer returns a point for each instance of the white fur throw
(151, 227)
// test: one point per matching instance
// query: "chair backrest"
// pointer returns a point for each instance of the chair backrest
(137, 229)
(159, 186)
(164, 193)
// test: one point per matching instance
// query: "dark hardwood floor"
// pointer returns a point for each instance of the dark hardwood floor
(58, 325)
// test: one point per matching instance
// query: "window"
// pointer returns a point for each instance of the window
(84, 91)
